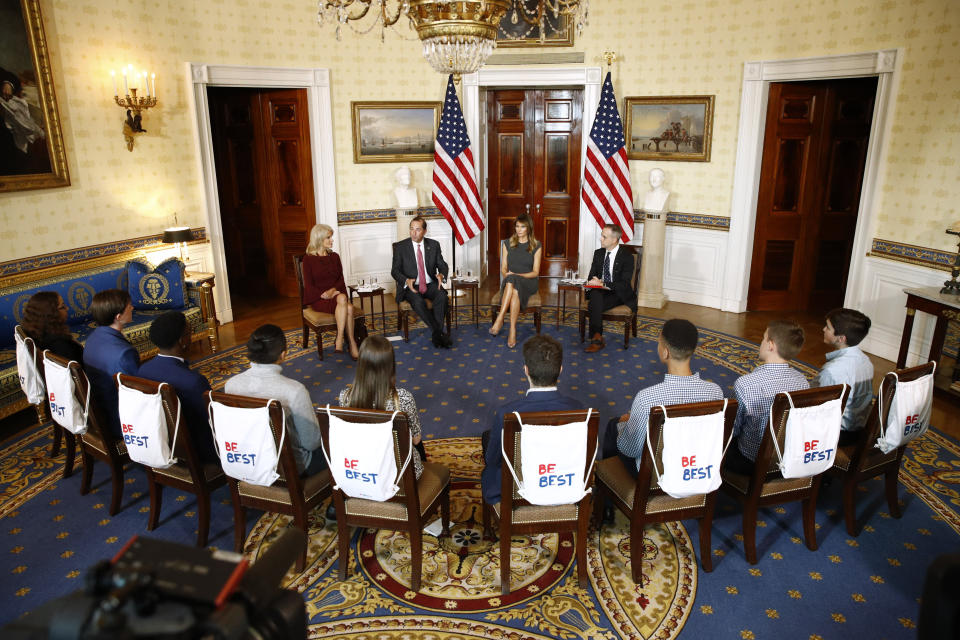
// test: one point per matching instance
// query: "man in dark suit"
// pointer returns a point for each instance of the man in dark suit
(419, 270)
(542, 363)
(171, 333)
(612, 270)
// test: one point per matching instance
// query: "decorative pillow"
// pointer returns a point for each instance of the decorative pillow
(159, 287)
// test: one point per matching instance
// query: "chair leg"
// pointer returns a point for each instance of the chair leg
(485, 514)
(809, 516)
(203, 511)
(239, 518)
(599, 499)
(890, 482)
(156, 500)
(300, 522)
(504, 557)
(704, 531)
(116, 480)
(319, 345)
(636, 550)
(850, 506)
(406, 327)
(305, 340)
(343, 543)
(626, 334)
(582, 322)
(445, 511)
(70, 441)
(416, 557)
(87, 476)
(57, 434)
(750, 533)
(583, 522)
(536, 320)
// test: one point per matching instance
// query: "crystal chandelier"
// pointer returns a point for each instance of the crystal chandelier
(457, 35)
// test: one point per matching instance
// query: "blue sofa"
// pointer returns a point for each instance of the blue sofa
(76, 283)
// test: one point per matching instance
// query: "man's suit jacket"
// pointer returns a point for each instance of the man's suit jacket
(405, 262)
(621, 272)
(533, 401)
(189, 386)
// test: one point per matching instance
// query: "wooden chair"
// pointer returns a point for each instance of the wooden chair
(188, 473)
(641, 498)
(409, 510)
(404, 311)
(862, 460)
(619, 313)
(98, 443)
(43, 413)
(517, 516)
(766, 486)
(317, 320)
(290, 495)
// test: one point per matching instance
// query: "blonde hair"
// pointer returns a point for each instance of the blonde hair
(532, 244)
(318, 234)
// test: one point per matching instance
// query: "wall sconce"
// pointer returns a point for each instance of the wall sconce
(133, 103)
(952, 286)
(177, 235)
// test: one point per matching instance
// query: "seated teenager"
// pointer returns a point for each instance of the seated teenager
(847, 364)
(675, 347)
(170, 332)
(375, 387)
(264, 379)
(323, 286)
(45, 322)
(756, 390)
(108, 353)
(542, 364)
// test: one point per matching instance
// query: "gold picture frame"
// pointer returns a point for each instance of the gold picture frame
(510, 34)
(29, 159)
(669, 127)
(394, 131)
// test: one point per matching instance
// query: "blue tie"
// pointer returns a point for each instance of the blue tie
(606, 270)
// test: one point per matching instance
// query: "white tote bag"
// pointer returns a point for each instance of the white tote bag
(30, 380)
(551, 458)
(810, 444)
(909, 412)
(693, 450)
(361, 458)
(144, 427)
(245, 442)
(64, 408)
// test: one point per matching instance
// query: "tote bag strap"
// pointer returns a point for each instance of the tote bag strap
(653, 458)
(326, 456)
(176, 425)
(513, 472)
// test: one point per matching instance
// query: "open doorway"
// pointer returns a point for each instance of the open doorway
(811, 179)
(261, 153)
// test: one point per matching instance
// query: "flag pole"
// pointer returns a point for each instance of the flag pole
(456, 293)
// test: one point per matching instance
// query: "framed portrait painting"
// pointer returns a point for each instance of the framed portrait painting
(669, 128)
(31, 144)
(394, 131)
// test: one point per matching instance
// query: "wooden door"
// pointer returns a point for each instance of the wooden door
(288, 206)
(533, 166)
(811, 175)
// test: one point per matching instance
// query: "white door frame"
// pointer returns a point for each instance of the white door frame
(317, 83)
(757, 77)
(587, 77)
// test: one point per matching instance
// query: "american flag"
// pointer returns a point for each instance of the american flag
(606, 178)
(454, 181)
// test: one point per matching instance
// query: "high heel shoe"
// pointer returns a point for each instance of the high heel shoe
(512, 343)
(495, 330)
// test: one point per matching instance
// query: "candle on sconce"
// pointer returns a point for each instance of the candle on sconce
(126, 86)
(113, 76)
(146, 87)
(153, 79)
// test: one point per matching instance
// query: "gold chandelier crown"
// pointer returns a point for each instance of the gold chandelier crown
(457, 35)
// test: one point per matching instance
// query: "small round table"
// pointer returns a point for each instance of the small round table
(562, 289)
(471, 285)
(372, 294)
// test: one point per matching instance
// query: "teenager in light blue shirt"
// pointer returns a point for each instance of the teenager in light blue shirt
(847, 364)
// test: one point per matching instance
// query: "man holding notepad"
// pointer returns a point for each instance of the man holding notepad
(608, 284)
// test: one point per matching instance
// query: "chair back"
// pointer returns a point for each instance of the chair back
(34, 377)
(646, 476)
(767, 462)
(298, 270)
(512, 441)
(872, 430)
(97, 424)
(401, 447)
(637, 259)
(287, 464)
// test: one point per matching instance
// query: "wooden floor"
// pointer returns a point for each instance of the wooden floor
(285, 312)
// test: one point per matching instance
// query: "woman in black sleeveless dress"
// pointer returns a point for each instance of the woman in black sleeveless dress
(520, 275)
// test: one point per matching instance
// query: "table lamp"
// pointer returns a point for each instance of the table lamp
(179, 236)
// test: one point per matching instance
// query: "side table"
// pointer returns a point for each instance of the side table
(372, 295)
(208, 309)
(562, 290)
(473, 286)
(945, 307)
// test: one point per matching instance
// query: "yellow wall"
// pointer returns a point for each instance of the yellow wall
(694, 47)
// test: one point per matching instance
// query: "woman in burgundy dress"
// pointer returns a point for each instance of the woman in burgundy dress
(323, 286)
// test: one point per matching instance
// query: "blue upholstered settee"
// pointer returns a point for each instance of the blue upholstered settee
(76, 283)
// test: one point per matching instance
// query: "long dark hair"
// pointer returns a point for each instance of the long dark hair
(532, 244)
(41, 316)
(376, 375)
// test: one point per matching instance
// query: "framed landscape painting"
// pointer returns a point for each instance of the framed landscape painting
(516, 31)
(394, 131)
(669, 128)
(31, 145)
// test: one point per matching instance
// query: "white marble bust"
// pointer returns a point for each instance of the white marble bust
(656, 198)
(405, 194)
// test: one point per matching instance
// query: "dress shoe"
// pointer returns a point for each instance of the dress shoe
(437, 339)
(445, 340)
(596, 344)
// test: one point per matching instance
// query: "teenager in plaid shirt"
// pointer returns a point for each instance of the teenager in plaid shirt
(756, 390)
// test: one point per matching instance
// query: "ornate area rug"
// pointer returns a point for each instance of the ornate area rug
(850, 587)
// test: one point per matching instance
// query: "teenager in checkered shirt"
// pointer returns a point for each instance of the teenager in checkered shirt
(756, 390)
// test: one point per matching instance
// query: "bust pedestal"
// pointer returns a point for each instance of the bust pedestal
(650, 292)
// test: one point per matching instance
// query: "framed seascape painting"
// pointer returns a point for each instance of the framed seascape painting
(31, 145)
(669, 128)
(520, 27)
(394, 131)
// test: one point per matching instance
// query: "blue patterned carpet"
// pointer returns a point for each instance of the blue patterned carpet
(851, 587)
